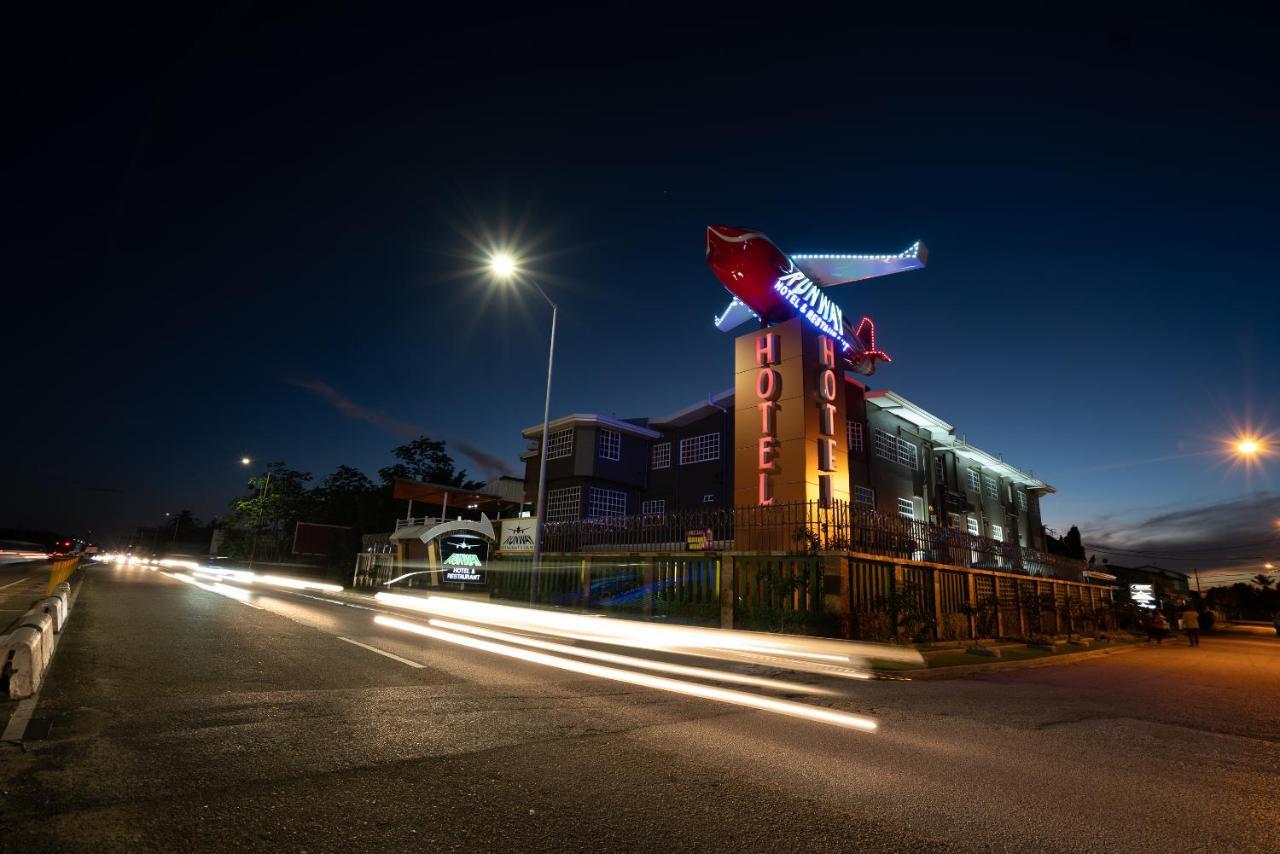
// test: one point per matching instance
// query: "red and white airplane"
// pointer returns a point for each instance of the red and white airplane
(771, 286)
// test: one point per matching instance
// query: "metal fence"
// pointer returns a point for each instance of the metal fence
(806, 527)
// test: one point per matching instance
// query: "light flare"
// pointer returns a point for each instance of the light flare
(644, 680)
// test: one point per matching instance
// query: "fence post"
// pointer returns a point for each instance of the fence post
(584, 576)
(646, 579)
(973, 605)
(995, 589)
(727, 588)
(937, 604)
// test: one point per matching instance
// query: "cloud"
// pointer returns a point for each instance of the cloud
(1227, 540)
(490, 465)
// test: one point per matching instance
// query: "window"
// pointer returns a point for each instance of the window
(662, 455)
(997, 533)
(973, 526)
(855, 435)
(656, 507)
(606, 503)
(609, 444)
(953, 520)
(561, 444)
(865, 497)
(992, 486)
(975, 482)
(940, 469)
(709, 498)
(1022, 500)
(897, 450)
(700, 449)
(564, 504)
(886, 446)
(906, 508)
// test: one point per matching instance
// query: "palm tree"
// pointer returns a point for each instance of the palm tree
(1263, 580)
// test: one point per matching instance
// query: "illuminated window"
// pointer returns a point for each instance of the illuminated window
(561, 444)
(709, 498)
(700, 449)
(972, 526)
(656, 507)
(662, 455)
(992, 486)
(865, 497)
(564, 504)
(975, 482)
(908, 455)
(906, 508)
(953, 520)
(855, 436)
(997, 533)
(1022, 500)
(609, 444)
(606, 503)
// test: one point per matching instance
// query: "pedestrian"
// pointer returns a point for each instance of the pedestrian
(1160, 627)
(1191, 625)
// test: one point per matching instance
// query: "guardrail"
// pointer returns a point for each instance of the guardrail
(27, 650)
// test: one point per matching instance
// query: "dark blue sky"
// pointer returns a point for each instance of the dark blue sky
(212, 214)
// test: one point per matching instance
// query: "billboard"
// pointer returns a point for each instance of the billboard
(315, 540)
(463, 557)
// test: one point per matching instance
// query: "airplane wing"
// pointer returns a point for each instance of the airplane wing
(735, 315)
(828, 270)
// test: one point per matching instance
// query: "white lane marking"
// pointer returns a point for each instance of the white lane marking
(19, 581)
(390, 655)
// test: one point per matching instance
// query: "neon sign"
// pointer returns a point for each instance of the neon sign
(770, 287)
(768, 387)
(827, 423)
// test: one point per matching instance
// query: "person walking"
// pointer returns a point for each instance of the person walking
(1191, 625)
(1159, 627)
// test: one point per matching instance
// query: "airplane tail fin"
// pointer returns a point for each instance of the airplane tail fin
(867, 353)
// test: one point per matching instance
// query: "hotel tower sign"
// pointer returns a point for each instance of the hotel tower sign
(789, 409)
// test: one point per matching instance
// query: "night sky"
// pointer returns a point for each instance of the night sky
(256, 232)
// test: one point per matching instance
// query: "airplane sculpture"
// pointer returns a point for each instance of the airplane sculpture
(771, 286)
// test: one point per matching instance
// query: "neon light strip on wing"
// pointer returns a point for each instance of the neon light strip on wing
(644, 680)
(630, 661)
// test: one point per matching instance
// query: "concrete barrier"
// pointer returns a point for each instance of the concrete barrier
(56, 607)
(42, 622)
(21, 669)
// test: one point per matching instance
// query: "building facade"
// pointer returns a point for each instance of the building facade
(901, 460)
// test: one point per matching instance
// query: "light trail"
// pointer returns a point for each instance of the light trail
(845, 659)
(241, 576)
(219, 588)
(630, 661)
(644, 680)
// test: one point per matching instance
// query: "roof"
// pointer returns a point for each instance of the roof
(434, 493)
(943, 435)
(702, 408)
(588, 418)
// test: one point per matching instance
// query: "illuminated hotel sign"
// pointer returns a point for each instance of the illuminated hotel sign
(1142, 595)
(811, 304)
(788, 389)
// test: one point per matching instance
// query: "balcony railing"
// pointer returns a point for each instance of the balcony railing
(806, 527)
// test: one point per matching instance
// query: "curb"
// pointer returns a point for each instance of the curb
(963, 670)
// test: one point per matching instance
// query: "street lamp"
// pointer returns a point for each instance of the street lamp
(253, 549)
(504, 267)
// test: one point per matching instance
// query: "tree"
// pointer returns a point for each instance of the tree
(273, 506)
(1263, 580)
(426, 460)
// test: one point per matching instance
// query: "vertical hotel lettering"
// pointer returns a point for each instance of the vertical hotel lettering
(827, 419)
(768, 387)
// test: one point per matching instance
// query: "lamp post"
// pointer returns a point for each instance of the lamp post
(253, 549)
(505, 268)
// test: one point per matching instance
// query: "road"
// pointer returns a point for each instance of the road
(175, 718)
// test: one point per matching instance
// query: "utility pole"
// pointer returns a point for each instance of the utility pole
(1197, 572)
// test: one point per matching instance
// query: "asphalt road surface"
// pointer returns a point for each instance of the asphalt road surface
(175, 718)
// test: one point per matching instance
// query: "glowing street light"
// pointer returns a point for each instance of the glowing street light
(244, 461)
(504, 267)
(1248, 446)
